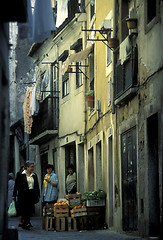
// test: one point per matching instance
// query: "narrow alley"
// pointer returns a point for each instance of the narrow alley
(37, 233)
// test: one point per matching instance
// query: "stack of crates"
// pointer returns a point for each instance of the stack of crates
(74, 199)
(48, 220)
(61, 213)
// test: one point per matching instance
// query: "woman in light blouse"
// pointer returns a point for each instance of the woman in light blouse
(71, 187)
(49, 188)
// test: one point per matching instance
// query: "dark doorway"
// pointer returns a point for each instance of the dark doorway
(44, 162)
(153, 175)
(70, 156)
(110, 160)
(129, 181)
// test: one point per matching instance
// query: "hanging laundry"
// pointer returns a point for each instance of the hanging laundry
(28, 120)
(46, 79)
(25, 30)
(34, 103)
(39, 86)
(46, 85)
(62, 12)
(43, 20)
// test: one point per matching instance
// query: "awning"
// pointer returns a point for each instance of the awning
(76, 57)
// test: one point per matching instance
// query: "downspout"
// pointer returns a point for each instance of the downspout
(114, 57)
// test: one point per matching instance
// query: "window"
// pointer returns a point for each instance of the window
(92, 9)
(151, 13)
(126, 73)
(124, 15)
(77, 46)
(91, 70)
(151, 10)
(65, 84)
(108, 51)
(55, 93)
(109, 91)
(91, 74)
(79, 80)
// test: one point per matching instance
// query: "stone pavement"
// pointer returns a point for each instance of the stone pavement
(37, 233)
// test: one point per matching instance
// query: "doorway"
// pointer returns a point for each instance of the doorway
(153, 175)
(91, 186)
(44, 162)
(110, 161)
(129, 181)
(70, 157)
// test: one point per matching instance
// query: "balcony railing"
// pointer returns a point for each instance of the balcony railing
(47, 119)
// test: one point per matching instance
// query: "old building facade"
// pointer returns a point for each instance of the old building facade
(115, 143)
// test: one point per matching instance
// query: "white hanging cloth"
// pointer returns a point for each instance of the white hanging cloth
(62, 12)
(43, 20)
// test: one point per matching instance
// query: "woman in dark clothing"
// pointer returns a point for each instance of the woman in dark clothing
(28, 191)
(17, 204)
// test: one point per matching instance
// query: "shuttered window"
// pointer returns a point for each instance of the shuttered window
(126, 74)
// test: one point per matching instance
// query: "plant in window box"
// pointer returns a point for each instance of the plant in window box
(131, 23)
(69, 69)
(113, 42)
(90, 98)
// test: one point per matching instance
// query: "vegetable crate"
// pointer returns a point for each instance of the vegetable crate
(95, 203)
(48, 210)
(72, 224)
(74, 199)
(61, 211)
(60, 224)
(48, 223)
(78, 211)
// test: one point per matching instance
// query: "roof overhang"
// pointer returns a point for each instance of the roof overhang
(43, 137)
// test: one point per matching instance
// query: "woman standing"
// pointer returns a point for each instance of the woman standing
(17, 204)
(29, 193)
(71, 180)
(11, 183)
(49, 189)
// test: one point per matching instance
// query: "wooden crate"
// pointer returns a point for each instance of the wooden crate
(74, 199)
(48, 210)
(82, 223)
(71, 224)
(78, 212)
(61, 211)
(94, 211)
(60, 224)
(48, 223)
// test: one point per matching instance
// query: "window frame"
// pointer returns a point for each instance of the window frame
(108, 52)
(91, 10)
(65, 85)
(79, 78)
(149, 25)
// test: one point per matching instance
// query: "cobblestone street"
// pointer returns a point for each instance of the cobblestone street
(37, 233)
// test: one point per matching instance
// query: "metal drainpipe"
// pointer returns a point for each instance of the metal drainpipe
(113, 77)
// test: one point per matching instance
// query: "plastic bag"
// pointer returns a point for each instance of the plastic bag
(12, 209)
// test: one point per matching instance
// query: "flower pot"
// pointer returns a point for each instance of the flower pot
(131, 23)
(113, 42)
(90, 100)
(69, 69)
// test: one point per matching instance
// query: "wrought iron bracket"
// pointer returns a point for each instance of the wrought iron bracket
(102, 32)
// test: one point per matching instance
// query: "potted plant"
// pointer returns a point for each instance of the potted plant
(131, 23)
(113, 42)
(69, 69)
(90, 98)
